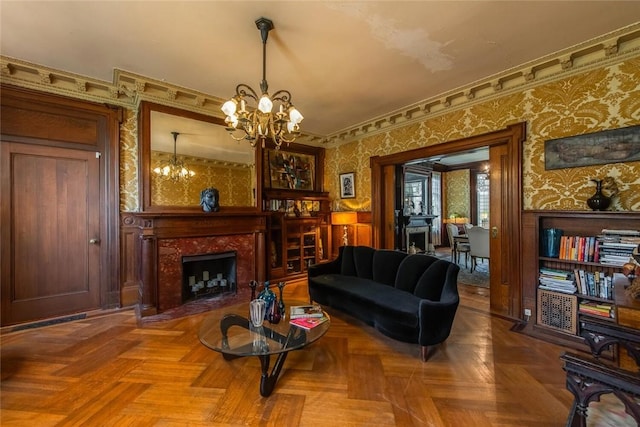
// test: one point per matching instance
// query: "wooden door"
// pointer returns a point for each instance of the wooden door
(51, 199)
(500, 246)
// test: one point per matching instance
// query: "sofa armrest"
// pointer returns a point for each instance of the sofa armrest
(331, 267)
(436, 320)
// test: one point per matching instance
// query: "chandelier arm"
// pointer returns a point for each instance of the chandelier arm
(282, 95)
(249, 92)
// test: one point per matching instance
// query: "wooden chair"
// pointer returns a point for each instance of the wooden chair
(478, 244)
(457, 248)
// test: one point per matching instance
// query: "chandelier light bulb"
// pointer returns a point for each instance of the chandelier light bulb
(265, 105)
(229, 107)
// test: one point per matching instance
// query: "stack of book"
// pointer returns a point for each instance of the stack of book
(306, 316)
(616, 246)
(597, 309)
(557, 280)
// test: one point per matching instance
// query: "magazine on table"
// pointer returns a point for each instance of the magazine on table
(305, 311)
(308, 322)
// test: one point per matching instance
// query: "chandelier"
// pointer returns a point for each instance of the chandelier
(173, 168)
(261, 123)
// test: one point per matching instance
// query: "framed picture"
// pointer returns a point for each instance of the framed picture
(289, 170)
(347, 185)
(609, 146)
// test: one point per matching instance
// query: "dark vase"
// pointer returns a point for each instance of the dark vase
(253, 285)
(281, 306)
(598, 202)
(269, 298)
(274, 313)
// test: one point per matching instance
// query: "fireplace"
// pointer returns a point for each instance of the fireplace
(208, 275)
(158, 244)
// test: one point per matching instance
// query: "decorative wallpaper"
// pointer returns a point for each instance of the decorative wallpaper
(234, 182)
(457, 190)
(600, 99)
(129, 162)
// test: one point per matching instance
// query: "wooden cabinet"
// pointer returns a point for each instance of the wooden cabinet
(558, 315)
(299, 232)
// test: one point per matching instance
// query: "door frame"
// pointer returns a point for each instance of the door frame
(513, 136)
(107, 144)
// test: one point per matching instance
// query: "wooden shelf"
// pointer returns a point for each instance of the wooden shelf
(573, 223)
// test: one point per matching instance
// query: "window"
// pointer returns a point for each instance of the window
(436, 207)
(482, 198)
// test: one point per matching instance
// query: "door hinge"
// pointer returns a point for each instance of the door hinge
(98, 154)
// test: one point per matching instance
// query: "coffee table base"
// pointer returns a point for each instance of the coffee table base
(267, 380)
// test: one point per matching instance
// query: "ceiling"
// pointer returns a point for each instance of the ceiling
(344, 62)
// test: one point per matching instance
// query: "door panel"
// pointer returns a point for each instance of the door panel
(499, 244)
(51, 212)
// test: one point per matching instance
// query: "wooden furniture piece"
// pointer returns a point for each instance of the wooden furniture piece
(299, 232)
(588, 379)
(234, 336)
(558, 318)
(459, 243)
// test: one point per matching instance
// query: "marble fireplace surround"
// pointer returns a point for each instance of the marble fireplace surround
(162, 239)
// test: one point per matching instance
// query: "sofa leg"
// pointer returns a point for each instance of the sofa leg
(425, 352)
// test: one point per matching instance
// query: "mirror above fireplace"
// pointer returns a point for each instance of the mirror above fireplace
(202, 144)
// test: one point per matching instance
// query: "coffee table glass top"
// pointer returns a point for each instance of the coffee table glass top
(232, 333)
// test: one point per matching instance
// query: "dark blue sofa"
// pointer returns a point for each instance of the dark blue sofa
(411, 298)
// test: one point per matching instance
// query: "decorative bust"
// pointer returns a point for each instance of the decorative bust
(209, 200)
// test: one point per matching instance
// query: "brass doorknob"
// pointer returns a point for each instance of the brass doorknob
(494, 232)
(94, 241)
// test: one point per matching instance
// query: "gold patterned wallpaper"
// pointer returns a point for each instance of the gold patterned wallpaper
(234, 183)
(600, 99)
(457, 190)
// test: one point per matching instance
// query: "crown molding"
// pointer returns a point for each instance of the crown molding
(129, 89)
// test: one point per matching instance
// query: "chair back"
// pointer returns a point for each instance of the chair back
(452, 231)
(478, 242)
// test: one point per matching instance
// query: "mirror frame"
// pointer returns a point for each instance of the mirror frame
(144, 162)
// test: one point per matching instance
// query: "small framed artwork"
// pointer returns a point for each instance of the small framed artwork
(347, 185)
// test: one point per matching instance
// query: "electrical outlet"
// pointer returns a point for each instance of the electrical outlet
(527, 312)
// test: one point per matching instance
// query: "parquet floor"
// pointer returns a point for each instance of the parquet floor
(108, 371)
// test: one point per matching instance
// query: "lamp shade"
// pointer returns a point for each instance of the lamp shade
(344, 218)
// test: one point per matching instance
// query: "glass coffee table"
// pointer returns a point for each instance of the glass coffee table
(234, 336)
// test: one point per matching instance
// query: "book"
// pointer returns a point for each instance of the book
(305, 311)
(308, 322)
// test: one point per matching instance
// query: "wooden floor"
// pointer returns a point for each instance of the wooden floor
(108, 371)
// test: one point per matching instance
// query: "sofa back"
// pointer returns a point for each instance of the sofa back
(422, 275)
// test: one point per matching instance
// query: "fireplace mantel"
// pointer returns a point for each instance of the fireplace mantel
(152, 243)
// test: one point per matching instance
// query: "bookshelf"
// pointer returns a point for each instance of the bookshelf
(589, 284)
(298, 232)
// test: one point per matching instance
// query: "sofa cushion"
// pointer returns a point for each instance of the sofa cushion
(363, 260)
(431, 282)
(410, 271)
(385, 265)
(378, 299)
(348, 267)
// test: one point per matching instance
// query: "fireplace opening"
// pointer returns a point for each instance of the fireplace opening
(208, 275)
(420, 237)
